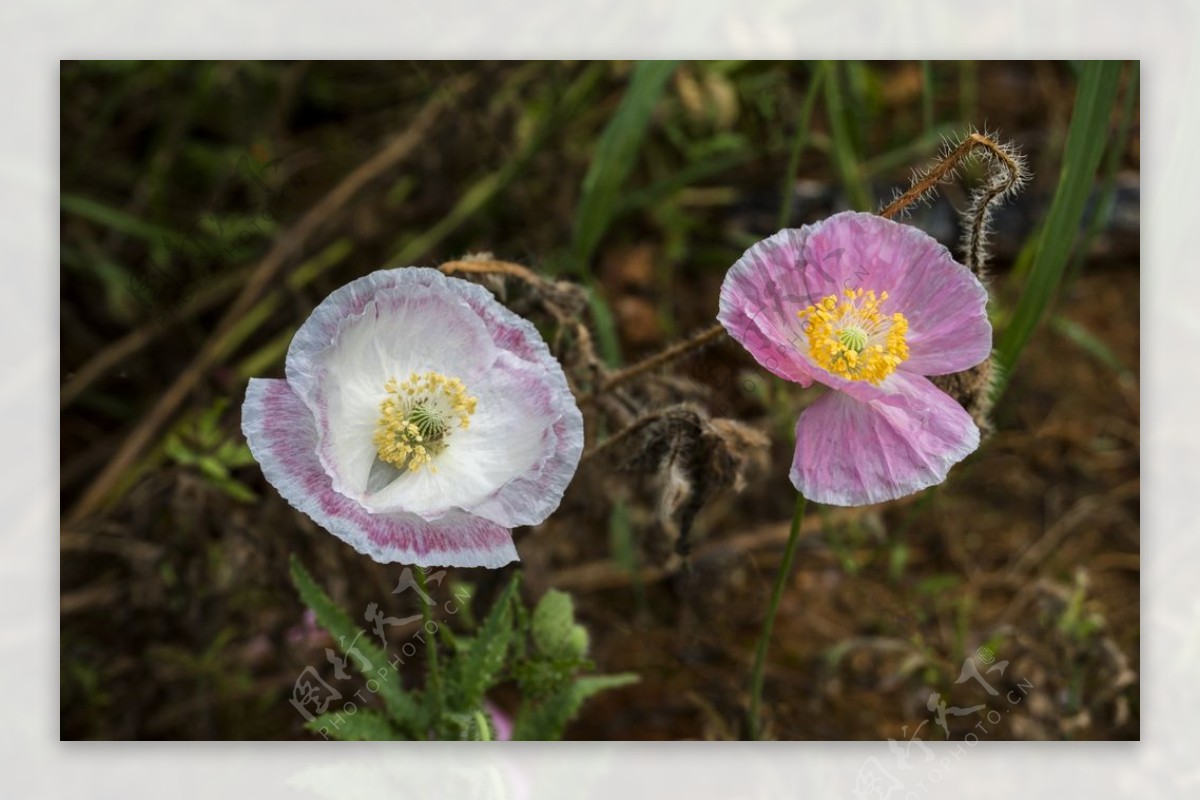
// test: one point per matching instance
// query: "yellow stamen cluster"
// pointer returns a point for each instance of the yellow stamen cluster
(854, 339)
(418, 416)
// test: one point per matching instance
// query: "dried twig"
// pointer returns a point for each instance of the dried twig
(659, 359)
(562, 300)
(1007, 175)
(490, 267)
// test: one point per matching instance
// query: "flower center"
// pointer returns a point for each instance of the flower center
(854, 339)
(417, 418)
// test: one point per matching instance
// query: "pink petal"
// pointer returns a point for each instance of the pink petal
(759, 299)
(282, 435)
(945, 304)
(532, 497)
(851, 453)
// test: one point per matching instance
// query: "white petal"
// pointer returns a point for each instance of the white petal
(507, 436)
(396, 334)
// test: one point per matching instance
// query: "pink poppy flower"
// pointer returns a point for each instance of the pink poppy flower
(420, 421)
(869, 308)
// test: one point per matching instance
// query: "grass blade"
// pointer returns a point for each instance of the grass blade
(1102, 210)
(115, 219)
(1085, 144)
(616, 152)
(845, 155)
(820, 75)
(1090, 344)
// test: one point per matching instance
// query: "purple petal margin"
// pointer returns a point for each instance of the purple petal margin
(282, 435)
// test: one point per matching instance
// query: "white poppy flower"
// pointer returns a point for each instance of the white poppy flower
(420, 421)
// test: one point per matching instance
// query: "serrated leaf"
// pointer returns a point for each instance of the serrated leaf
(332, 617)
(485, 659)
(546, 720)
(403, 707)
(364, 724)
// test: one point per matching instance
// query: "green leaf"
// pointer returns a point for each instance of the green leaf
(1102, 208)
(615, 154)
(173, 447)
(1086, 138)
(468, 726)
(475, 672)
(612, 161)
(460, 589)
(199, 441)
(402, 706)
(545, 720)
(212, 467)
(233, 453)
(364, 724)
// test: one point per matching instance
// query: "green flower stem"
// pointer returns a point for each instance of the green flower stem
(764, 639)
(435, 675)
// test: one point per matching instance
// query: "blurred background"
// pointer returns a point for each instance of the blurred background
(642, 183)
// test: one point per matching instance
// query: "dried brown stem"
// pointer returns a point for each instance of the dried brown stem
(943, 170)
(554, 299)
(658, 360)
(605, 383)
(491, 267)
(286, 246)
(615, 439)
(1007, 175)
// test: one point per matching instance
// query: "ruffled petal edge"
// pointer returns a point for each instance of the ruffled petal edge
(853, 453)
(282, 435)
